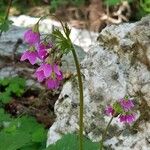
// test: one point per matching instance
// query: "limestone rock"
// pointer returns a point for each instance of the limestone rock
(117, 66)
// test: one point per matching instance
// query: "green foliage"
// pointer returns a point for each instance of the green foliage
(70, 142)
(61, 41)
(145, 5)
(55, 4)
(11, 86)
(21, 133)
(5, 24)
(114, 2)
(117, 107)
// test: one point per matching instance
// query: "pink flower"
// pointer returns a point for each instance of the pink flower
(31, 37)
(127, 104)
(54, 81)
(127, 118)
(30, 55)
(44, 71)
(43, 49)
(51, 73)
(109, 111)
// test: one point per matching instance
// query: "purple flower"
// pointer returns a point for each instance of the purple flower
(42, 49)
(127, 118)
(127, 104)
(31, 37)
(109, 111)
(54, 81)
(51, 73)
(44, 71)
(30, 55)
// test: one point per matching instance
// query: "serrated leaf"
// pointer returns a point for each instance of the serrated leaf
(19, 134)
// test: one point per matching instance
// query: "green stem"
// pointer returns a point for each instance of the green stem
(81, 99)
(104, 133)
(81, 124)
(7, 13)
(79, 82)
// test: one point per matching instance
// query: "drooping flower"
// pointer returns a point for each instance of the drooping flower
(32, 37)
(127, 104)
(53, 81)
(43, 49)
(127, 118)
(109, 111)
(51, 74)
(44, 71)
(29, 55)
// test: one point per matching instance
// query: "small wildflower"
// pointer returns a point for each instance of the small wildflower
(31, 37)
(52, 83)
(44, 71)
(127, 104)
(109, 111)
(51, 73)
(127, 118)
(43, 49)
(29, 55)
(122, 110)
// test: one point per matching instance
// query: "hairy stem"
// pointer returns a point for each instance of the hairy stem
(81, 124)
(81, 99)
(104, 133)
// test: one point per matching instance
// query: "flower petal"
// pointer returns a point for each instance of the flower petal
(24, 56)
(47, 70)
(56, 69)
(40, 75)
(32, 57)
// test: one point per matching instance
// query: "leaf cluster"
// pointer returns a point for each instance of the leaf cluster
(11, 86)
(21, 133)
(61, 41)
(70, 142)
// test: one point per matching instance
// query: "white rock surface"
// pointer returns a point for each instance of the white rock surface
(118, 66)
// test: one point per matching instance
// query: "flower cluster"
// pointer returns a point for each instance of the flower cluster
(123, 110)
(42, 49)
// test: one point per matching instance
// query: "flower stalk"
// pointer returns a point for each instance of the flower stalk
(81, 124)
(105, 133)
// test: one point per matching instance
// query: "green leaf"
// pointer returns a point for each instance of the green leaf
(118, 108)
(4, 25)
(4, 82)
(21, 133)
(112, 2)
(5, 97)
(71, 141)
(61, 41)
(39, 135)
(4, 116)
